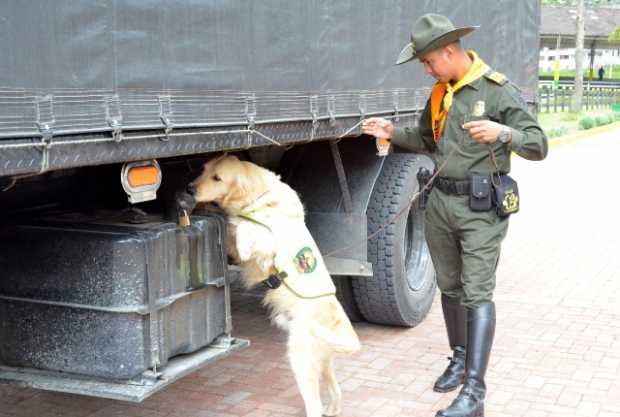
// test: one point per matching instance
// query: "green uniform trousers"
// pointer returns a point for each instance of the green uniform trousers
(465, 247)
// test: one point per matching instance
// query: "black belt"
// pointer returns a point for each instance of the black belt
(452, 186)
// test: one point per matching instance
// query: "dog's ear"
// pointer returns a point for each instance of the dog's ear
(257, 179)
(249, 183)
(240, 188)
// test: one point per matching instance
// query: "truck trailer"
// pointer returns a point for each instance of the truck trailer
(109, 107)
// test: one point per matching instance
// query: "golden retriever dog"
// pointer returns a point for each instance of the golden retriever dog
(266, 222)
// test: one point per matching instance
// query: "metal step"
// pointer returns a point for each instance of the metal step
(134, 390)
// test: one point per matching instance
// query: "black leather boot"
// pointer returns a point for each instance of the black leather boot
(480, 332)
(455, 316)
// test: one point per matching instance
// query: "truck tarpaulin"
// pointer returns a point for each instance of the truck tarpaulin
(80, 66)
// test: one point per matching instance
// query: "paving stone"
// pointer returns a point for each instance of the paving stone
(557, 346)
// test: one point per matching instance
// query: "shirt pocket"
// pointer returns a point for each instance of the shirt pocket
(468, 143)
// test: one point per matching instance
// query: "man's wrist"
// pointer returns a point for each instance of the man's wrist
(505, 135)
(399, 136)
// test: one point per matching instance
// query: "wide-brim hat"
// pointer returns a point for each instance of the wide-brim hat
(431, 31)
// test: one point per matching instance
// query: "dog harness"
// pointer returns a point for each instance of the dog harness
(298, 262)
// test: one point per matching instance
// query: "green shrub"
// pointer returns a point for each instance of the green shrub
(586, 123)
(556, 132)
(600, 121)
(605, 119)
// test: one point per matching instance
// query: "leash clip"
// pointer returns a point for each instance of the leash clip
(274, 281)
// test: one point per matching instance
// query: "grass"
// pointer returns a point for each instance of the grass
(561, 124)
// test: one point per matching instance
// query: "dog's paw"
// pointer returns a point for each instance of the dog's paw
(244, 250)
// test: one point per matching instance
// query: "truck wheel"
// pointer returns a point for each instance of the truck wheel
(344, 294)
(402, 288)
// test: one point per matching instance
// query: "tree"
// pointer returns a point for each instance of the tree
(615, 36)
(581, 11)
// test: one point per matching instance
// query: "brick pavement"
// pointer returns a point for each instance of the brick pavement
(557, 347)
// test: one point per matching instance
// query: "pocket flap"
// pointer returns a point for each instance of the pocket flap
(480, 185)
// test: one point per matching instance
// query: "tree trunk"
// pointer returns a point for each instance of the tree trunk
(579, 56)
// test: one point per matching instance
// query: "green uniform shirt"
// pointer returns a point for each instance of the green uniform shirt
(502, 104)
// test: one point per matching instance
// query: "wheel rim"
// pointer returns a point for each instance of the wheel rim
(415, 250)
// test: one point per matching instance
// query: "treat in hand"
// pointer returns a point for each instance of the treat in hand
(382, 129)
(383, 146)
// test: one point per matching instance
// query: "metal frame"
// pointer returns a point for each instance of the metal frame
(134, 390)
(32, 155)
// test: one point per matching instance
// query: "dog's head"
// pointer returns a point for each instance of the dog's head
(229, 182)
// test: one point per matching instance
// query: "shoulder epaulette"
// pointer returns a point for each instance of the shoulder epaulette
(496, 77)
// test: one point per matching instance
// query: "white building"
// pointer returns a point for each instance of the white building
(602, 57)
(558, 27)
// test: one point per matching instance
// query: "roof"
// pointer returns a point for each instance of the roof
(600, 22)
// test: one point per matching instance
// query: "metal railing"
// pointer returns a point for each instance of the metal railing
(560, 99)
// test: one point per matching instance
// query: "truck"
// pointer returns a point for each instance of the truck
(109, 108)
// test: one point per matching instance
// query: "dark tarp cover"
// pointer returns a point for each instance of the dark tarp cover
(81, 63)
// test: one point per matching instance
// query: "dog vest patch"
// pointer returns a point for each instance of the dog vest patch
(305, 261)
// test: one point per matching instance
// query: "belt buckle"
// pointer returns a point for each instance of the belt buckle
(453, 188)
(457, 188)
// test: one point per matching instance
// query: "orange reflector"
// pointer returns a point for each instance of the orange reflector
(144, 175)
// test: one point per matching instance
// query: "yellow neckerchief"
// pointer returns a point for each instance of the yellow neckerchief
(443, 93)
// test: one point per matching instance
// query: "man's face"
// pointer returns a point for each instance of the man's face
(437, 64)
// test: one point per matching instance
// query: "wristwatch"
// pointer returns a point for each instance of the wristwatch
(504, 135)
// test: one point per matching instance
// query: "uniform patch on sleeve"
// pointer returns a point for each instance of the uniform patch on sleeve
(497, 77)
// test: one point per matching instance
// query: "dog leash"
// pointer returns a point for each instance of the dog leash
(402, 211)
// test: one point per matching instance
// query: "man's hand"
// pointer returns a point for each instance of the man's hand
(378, 127)
(483, 131)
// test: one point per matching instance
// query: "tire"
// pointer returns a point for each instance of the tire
(402, 288)
(344, 294)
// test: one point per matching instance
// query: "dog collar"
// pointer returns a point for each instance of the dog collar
(274, 281)
(255, 205)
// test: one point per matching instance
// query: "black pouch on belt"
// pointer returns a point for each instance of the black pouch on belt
(505, 195)
(480, 196)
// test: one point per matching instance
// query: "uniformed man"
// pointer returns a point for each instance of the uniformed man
(472, 111)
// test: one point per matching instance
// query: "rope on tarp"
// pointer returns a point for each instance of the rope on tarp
(83, 111)
(128, 137)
